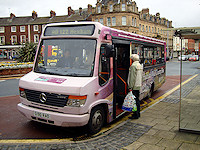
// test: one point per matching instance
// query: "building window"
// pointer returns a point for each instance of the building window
(13, 29)
(96, 20)
(13, 39)
(101, 20)
(155, 29)
(123, 20)
(36, 38)
(150, 18)
(111, 8)
(98, 9)
(22, 29)
(149, 29)
(35, 28)
(133, 8)
(2, 30)
(142, 28)
(146, 28)
(23, 39)
(152, 29)
(158, 30)
(113, 21)
(123, 7)
(2, 40)
(133, 21)
(139, 27)
(108, 21)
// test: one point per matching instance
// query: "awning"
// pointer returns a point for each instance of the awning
(10, 46)
(187, 32)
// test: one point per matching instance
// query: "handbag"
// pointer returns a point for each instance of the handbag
(129, 103)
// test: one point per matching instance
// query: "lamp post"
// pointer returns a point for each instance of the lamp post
(168, 39)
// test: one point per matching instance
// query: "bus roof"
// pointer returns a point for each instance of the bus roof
(115, 33)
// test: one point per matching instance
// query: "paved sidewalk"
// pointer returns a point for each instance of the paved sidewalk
(156, 129)
(164, 119)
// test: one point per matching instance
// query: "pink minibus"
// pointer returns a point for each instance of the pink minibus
(80, 73)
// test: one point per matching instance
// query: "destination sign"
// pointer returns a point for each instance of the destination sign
(69, 30)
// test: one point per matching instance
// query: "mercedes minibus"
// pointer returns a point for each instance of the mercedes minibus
(80, 73)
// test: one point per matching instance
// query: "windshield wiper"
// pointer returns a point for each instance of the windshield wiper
(73, 74)
(48, 72)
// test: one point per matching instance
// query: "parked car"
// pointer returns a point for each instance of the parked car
(194, 58)
(188, 56)
(15, 57)
(183, 57)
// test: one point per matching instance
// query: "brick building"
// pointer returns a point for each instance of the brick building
(15, 31)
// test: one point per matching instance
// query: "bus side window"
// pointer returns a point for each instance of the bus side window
(158, 55)
(155, 56)
(138, 49)
(148, 56)
(104, 66)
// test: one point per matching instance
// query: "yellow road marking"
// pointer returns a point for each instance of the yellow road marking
(69, 140)
(35, 141)
(18, 77)
(170, 92)
(176, 88)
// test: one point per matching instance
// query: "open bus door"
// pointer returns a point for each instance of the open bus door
(121, 64)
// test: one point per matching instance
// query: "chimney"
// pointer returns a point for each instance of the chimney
(145, 11)
(34, 14)
(158, 15)
(89, 8)
(80, 11)
(52, 14)
(12, 16)
(70, 11)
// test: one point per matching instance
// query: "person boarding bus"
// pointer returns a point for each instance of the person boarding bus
(135, 82)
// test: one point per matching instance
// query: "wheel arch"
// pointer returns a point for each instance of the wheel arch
(104, 105)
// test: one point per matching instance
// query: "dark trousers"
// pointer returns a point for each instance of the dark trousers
(136, 94)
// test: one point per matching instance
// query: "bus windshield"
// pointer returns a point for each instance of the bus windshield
(66, 57)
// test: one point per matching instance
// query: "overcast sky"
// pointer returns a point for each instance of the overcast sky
(183, 13)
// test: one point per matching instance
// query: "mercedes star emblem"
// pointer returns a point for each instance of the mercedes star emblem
(43, 98)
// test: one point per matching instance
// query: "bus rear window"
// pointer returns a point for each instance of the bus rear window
(69, 30)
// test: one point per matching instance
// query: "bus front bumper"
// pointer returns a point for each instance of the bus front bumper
(53, 118)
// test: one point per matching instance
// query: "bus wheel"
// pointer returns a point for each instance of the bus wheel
(96, 120)
(151, 91)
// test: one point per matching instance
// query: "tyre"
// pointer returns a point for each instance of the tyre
(96, 120)
(151, 91)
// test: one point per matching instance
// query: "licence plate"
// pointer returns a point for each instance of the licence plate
(41, 115)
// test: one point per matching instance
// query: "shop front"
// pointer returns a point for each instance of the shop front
(9, 51)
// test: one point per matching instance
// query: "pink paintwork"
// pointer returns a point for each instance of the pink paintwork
(75, 86)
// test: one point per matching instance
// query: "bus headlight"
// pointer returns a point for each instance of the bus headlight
(22, 92)
(76, 101)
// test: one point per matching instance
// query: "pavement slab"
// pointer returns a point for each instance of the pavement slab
(169, 144)
(150, 147)
(189, 146)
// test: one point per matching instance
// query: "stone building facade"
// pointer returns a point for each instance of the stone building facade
(124, 15)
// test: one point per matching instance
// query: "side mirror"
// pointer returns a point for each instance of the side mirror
(107, 50)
